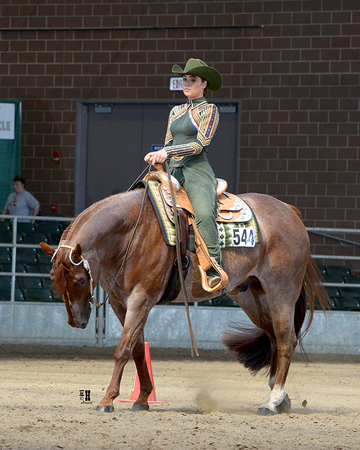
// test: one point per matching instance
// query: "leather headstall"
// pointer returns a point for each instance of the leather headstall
(85, 263)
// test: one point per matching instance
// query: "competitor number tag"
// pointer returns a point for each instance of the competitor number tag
(243, 237)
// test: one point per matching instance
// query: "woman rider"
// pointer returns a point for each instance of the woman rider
(190, 129)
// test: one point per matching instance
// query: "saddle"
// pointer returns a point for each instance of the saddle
(231, 209)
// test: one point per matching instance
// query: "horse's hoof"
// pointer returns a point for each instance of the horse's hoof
(140, 407)
(105, 408)
(262, 411)
(285, 405)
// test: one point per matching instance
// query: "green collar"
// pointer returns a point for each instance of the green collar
(195, 103)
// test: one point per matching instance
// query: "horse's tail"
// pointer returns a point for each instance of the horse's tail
(312, 291)
(252, 345)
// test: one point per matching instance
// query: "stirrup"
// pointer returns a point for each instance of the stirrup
(224, 279)
(213, 280)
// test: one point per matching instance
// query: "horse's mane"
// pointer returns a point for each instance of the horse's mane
(84, 215)
(58, 273)
(59, 279)
(296, 211)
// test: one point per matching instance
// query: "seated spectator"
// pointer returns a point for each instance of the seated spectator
(21, 202)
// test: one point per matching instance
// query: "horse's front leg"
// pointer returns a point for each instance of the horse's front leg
(135, 319)
(146, 386)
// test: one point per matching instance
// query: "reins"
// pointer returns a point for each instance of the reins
(93, 301)
(178, 256)
(147, 169)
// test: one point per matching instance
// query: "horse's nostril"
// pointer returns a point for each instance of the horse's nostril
(83, 325)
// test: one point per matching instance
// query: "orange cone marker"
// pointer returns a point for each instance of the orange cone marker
(136, 387)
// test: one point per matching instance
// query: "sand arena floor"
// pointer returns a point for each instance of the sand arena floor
(212, 402)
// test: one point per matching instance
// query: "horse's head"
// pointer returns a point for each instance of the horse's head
(73, 279)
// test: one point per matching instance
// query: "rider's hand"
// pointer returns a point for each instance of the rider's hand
(156, 157)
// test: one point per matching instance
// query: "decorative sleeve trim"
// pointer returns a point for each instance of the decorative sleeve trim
(205, 117)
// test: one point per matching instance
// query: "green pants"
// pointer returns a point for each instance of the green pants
(198, 179)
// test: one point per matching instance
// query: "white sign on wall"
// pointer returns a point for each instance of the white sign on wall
(7, 121)
(176, 84)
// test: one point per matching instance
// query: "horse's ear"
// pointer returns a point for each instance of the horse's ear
(47, 249)
(78, 251)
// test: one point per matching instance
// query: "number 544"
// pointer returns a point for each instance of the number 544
(242, 237)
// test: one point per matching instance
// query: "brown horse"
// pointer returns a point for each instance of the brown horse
(278, 280)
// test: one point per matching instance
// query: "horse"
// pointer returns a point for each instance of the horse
(275, 283)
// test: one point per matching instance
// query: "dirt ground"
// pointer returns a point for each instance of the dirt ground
(211, 402)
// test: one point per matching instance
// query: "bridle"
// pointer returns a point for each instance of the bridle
(85, 263)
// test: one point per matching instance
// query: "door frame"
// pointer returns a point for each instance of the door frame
(81, 138)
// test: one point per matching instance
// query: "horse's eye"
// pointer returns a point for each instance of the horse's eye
(81, 283)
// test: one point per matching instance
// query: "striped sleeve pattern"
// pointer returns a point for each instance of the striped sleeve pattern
(206, 119)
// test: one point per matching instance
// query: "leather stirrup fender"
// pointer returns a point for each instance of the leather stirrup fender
(207, 262)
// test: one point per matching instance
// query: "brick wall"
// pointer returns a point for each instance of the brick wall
(297, 77)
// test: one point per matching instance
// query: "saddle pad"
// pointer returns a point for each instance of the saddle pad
(243, 234)
(231, 234)
(167, 228)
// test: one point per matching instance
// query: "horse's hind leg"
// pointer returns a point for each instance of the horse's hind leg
(285, 405)
(286, 341)
(273, 313)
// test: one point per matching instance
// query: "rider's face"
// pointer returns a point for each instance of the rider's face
(193, 87)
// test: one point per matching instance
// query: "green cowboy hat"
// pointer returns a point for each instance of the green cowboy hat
(200, 69)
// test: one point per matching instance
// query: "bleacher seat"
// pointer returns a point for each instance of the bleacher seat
(49, 227)
(29, 283)
(5, 225)
(49, 285)
(53, 238)
(42, 258)
(29, 260)
(34, 237)
(26, 256)
(351, 279)
(5, 295)
(6, 237)
(333, 278)
(4, 255)
(347, 304)
(38, 268)
(37, 295)
(328, 306)
(322, 269)
(349, 292)
(338, 270)
(18, 268)
(45, 268)
(5, 282)
(25, 227)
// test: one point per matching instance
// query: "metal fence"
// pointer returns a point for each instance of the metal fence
(39, 322)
